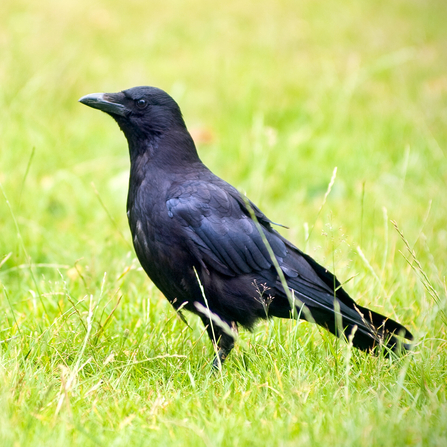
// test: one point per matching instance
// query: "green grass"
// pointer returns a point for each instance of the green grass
(91, 353)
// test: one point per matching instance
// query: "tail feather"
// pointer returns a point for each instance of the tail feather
(379, 321)
(372, 330)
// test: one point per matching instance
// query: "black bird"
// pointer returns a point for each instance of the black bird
(213, 252)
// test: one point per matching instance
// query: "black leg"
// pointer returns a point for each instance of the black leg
(219, 359)
(225, 343)
(221, 339)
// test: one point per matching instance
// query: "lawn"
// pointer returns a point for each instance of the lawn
(281, 97)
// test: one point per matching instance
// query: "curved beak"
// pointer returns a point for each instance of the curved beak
(107, 102)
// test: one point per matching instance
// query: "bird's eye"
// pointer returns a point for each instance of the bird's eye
(141, 103)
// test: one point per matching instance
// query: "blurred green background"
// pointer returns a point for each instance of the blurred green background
(276, 94)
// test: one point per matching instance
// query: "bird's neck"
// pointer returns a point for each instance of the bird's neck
(157, 164)
(170, 152)
(165, 150)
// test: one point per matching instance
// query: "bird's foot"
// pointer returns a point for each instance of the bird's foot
(219, 359)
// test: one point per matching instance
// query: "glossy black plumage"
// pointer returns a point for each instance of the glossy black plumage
(187, 222)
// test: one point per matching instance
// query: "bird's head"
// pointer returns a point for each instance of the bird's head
(141, 112)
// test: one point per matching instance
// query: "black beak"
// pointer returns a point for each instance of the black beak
(107, 102)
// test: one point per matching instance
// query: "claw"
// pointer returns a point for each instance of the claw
(219, 359)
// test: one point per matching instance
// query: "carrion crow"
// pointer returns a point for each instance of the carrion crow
(213, 252)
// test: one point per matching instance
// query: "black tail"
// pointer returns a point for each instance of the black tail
(373, 330)
(368, 330)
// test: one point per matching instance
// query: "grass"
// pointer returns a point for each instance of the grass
(277, 94)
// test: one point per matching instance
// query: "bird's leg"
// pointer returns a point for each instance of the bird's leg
(219, 359)
(221, 339)
(224, 346)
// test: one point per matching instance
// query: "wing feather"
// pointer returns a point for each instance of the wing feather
(221, 229)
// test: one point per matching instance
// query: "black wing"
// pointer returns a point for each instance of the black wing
(219, 230)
